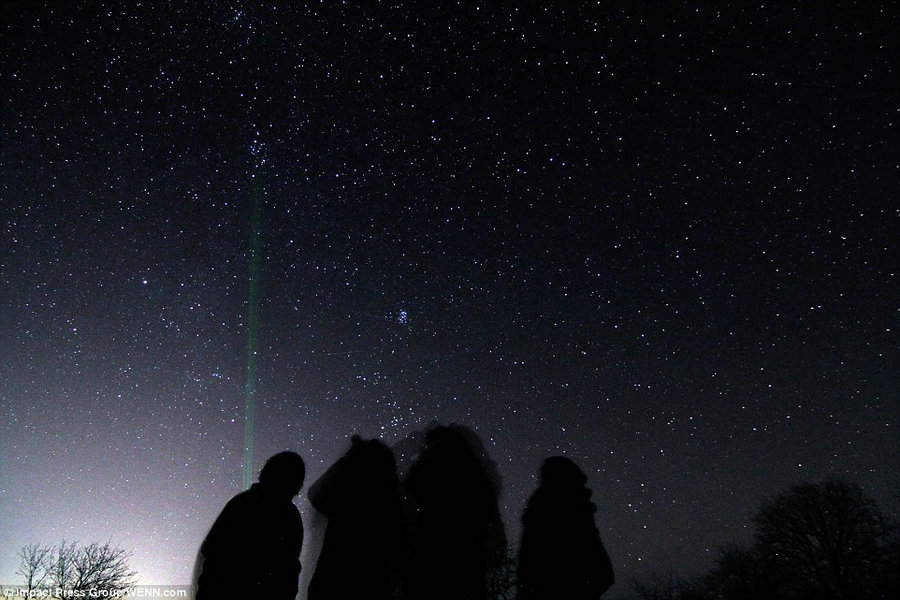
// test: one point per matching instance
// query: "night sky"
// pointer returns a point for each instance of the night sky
(660, 239)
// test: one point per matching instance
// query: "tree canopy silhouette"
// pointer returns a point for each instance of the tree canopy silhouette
(826, 540)
(815, 541)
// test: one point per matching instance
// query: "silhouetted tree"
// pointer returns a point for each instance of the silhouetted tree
(501, 581)
(823, 541)
(35, 565)
(741, 573)
(79, 569)
(660, 587)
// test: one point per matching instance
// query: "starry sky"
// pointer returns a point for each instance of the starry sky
(658, 238)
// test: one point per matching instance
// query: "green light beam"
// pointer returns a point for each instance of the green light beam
(252, 323)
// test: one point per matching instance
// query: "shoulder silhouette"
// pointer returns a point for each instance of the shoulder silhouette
(457, 533)
(561, 554)
(364, 538)
(253, 548)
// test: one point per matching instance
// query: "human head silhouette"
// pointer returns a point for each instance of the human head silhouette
(284, 473)
(444, 440)
(372, 456)
(559, 471)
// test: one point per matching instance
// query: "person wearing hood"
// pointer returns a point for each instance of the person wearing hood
(561, 554)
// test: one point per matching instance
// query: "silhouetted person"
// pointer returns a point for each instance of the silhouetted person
(365, 538)
(253, 548)
(561, 554)
(457, 533)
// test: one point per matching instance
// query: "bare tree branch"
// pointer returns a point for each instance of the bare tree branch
(35, 564)
(75, 568)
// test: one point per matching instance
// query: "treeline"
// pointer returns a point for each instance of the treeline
(825, 541)
(78, 569)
